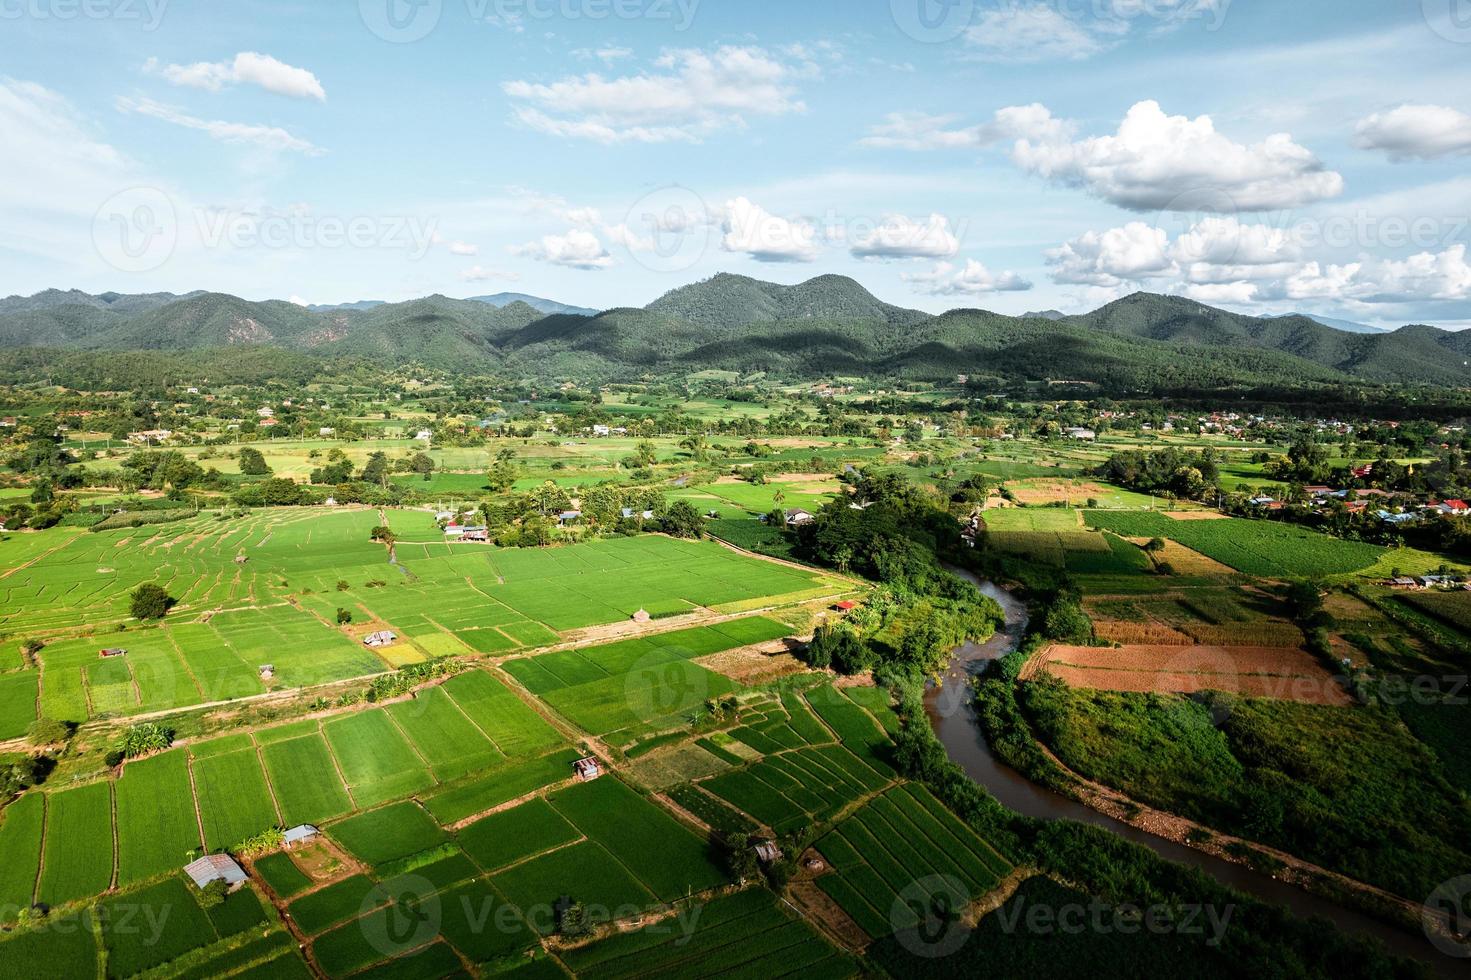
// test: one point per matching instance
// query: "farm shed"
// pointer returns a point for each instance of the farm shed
(587, 769)
(299, 834)
(796, 517)
(267, 671)
(107, 653)
(381, 638)
(241, 559)
(642, 616)
(767, 852)
(215, 867)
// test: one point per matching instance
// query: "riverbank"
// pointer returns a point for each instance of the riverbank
(953, 717)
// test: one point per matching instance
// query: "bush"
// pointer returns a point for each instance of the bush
(150, 601)
(343, 617)
(145, 739)
(213, 894)
(49, 731)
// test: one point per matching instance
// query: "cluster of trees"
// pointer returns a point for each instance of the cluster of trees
(1187, 475)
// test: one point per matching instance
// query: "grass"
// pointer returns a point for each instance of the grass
(388, 833)
(503, 838)
(585, 872)
(483, 792)
(1265, 549)
(20, 852)
(78, 855)
(336, 903)
(377, 761)
(746, 935)
(667, 858)
(305, 780)
(156, 822)
(234, 802)
(1274, 772)
(282, 875)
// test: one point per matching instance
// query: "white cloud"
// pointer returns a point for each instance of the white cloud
(920, 131)
(463, 248)
(298, 301)
(247, 68)
(972, 279)
(480, 274)
(1134, 252)
(1035, 32)
(1020, 31)
(1422, 132)
(763, 236)
(577, 249)
(899, 237)
(52, 161)
(691, 95)
(269, 137)
(1220, 260)
(1159, 162)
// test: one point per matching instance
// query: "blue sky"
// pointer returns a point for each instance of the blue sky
(1004, 154)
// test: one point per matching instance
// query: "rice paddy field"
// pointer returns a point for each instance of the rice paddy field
(278, 606)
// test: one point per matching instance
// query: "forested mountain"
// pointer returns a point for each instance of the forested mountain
(826, 326)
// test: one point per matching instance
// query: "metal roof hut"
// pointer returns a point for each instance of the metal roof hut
(587, 769)
(767, 852)
(300, 834)
(216, 867)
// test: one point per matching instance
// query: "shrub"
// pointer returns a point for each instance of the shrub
(48, 731)
(144, 739)
(343, 617)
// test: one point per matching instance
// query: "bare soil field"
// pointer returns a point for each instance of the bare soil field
(1273, 672)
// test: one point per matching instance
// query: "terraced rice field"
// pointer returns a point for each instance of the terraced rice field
(904, 849)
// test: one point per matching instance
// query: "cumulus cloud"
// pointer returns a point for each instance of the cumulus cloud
(1159, 162)
(898, 237)
(751, 229)
(463, 248)
(268, 137)
(246, 68)
(1221, 260)
(971, 279)
(1132, 253)
(1423, 132)
(689, 95)
(577, 249)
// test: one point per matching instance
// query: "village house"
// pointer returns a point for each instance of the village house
(382, 638)
(796, 517)
(587, 769)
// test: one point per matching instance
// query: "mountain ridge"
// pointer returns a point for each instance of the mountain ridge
(826, 325)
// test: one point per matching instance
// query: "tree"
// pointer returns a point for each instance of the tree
(573, 920)
(150, 601)
(343, 617)
(683, 520)
(252, 463)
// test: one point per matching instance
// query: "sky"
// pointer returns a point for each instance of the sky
(1011, 155)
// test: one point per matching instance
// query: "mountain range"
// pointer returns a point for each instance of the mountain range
(824, 327)
(537, 303)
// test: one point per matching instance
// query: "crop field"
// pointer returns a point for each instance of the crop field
(634, 685)
(1452, 608)
(1275, 672)
(897, 843)
(156, 822)
(77, 860)
(746, 935)
(1261, 548)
